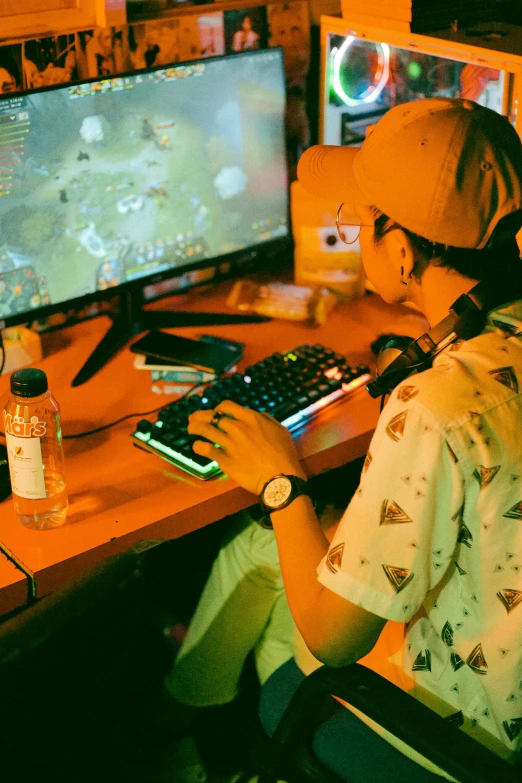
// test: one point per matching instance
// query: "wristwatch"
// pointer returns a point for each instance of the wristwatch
(280, 491)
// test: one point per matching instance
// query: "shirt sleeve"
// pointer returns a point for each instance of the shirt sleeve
(398, 535)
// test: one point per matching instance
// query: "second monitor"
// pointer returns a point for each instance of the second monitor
(367, 71)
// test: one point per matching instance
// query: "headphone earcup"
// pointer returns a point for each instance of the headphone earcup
(390, 350)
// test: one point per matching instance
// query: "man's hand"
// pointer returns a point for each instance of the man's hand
(250, 447)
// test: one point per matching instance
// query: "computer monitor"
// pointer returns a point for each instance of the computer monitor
(107, 186)
(366, 71)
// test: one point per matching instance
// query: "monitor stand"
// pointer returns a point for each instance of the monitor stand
(132, 319)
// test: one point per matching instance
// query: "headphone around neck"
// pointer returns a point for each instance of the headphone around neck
(402, 356)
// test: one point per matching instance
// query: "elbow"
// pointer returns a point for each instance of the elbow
(337, 632)
(334, 659)
(338, 655)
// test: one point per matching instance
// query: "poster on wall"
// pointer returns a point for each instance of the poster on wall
(289, 27)
(11, 68)
(246, 29)
(102, 52)
(201, 36)
(47, 61)
(161, 42)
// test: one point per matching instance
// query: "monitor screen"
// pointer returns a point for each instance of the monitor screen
(139, 177)
(365, 78)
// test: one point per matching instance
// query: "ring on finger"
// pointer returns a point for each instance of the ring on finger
(216, 418)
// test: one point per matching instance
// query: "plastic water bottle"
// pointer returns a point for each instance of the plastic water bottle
(34, 451)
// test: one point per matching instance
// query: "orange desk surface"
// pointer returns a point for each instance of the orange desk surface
(119, 494)
(13, 586)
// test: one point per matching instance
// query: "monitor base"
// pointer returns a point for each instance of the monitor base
(127, 324)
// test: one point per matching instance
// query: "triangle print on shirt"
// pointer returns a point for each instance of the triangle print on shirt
(515, 512)
(405, 393)
(392, 514)
(334, 558)
(422, 662)
(476, 660)
(465, 536)
(506, 376)
(506, 327)
(509, 598)
(398, 577)
(395, 428)
(485, 475)
(512, 727)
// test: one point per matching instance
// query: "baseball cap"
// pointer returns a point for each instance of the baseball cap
(447, 169)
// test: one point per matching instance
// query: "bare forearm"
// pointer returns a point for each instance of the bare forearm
(336, 631)
(301, 545)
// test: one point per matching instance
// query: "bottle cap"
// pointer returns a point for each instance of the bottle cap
(30, 382)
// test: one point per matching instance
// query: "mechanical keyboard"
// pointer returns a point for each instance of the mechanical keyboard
(292, 387)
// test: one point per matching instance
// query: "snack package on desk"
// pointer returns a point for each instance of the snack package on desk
(320, 257)
(283, 300)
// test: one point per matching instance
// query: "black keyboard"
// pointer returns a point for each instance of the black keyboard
(292, 387)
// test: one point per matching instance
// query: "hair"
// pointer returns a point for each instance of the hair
(8, 62)
(501, 256)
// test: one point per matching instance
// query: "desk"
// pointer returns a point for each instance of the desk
(120, 495)
(13, 586)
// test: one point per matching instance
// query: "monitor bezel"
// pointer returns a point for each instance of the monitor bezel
(242, 260)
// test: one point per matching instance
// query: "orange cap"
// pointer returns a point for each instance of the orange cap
(445, 168)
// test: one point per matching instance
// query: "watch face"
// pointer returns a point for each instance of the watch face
(277, 492)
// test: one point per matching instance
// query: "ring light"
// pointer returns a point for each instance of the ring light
(380, 78)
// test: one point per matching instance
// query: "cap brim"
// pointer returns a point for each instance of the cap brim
(327, 172)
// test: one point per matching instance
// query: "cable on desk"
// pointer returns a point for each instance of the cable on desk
(132, 415)
(129, 415)
(111, 424)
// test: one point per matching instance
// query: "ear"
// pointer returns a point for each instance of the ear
(401, 252)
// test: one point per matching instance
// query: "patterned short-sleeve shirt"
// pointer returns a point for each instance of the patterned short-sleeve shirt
(433, 534)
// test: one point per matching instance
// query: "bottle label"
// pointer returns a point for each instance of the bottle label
(15, 425)
(25, 466)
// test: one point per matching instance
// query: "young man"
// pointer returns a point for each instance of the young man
(433, 535)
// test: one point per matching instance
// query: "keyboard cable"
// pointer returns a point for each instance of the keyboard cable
(131, 415)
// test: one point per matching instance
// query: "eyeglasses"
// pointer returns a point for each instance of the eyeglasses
(348, 232)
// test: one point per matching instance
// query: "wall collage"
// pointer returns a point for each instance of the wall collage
(155, 35)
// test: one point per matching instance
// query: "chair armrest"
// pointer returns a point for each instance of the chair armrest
(455, 752)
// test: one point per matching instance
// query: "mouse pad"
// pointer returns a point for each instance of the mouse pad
(5, 482)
